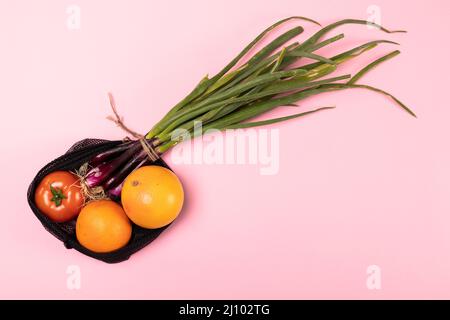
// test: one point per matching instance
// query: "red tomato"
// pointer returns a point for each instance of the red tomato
(59, 196)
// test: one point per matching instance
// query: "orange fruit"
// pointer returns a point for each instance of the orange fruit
(152, 196)
(103, 226)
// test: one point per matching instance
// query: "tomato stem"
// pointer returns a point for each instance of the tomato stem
(58, 195)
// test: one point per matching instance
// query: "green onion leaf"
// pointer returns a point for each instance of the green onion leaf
(366, 69)
(313, 56)
(360, 86)
(275, 120)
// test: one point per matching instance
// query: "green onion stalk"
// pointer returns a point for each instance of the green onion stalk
(241, 91)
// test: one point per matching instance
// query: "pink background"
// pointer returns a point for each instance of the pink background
(360, 185)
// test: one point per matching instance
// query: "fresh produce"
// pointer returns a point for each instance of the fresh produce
(274, 76)
(59, 196)
(152, 197)
(103, 226)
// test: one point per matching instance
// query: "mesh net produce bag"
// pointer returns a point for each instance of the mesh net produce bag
(76, 156)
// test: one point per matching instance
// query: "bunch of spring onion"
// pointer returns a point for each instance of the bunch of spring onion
(242, 91)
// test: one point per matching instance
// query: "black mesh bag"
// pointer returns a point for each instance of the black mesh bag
(78, 154)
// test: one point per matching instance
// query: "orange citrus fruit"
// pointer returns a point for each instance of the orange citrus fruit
(152, 196)
(103, 226)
